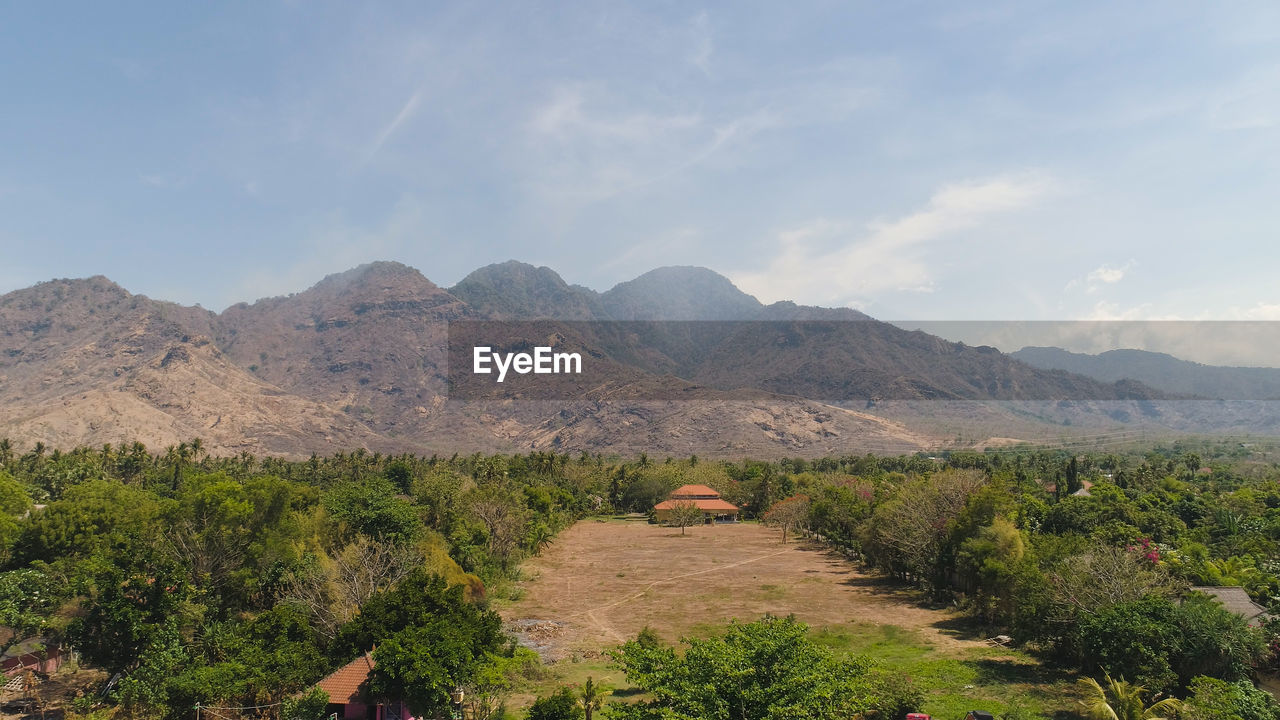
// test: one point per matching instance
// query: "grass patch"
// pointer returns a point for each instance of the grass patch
(955, 681)
(888, 644)
(573, 674)
(772, 592)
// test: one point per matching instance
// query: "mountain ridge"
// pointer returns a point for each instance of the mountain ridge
(1161, 370)
(360, 359)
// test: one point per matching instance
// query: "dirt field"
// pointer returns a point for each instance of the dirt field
(600, 583)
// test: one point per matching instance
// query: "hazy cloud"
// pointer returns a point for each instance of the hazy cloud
(833, 262)
(332, 244)
(703, 46)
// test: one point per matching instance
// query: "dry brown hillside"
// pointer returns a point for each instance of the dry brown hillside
(360, 360)
(86, 362)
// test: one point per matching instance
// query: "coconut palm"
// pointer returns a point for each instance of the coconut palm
(1122, 700)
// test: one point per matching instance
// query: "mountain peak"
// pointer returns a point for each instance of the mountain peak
(684, 273)
(513, 270)
(680, 292)
(515, 289)
(97, 285)
(381, 271)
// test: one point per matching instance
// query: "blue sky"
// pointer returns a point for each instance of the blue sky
(946, 161)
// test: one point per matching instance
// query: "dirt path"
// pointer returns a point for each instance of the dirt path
(604, 582)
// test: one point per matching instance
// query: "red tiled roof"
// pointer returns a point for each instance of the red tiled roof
(694, 490)
(344, 684)
(715, 505)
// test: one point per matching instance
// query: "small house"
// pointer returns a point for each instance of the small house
(348, 699)
(37, 654)
(1237, 601)
(979, 715)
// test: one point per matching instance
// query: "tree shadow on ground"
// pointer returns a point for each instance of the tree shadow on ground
(899, 590)
(964, 627)
(872, 582)
(1044, 681)
(1006, 671)
(627, 692)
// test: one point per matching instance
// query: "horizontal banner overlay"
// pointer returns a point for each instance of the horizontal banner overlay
(864, 362)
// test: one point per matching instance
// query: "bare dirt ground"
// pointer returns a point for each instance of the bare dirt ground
(600, 583)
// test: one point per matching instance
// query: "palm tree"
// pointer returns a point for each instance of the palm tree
(592, 697)
(1121, 700)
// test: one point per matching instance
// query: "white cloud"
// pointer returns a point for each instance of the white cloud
(1112, 312)
(406, 111)
(830, 262)
(1105, 274)
(1260, 311)
(586, 147)
(1251, 102)
(586, 142)
(565, 118)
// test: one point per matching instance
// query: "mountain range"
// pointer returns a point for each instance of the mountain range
(1160, 370)
(360, 359)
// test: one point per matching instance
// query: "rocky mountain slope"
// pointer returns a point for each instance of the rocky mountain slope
(84, 361)
(1160, 370)
(360, 360)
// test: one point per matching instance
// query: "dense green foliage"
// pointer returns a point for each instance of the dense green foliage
(1087, 558)
(762, 670)
(1213, 699)
(243, 580)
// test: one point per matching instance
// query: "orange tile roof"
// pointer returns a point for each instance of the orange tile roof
(343, 685)
(688, 490)
(713, 505)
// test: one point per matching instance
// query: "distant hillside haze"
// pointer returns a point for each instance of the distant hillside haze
(680, 293)
(1162, 371)
(360, 359)
(715, 334)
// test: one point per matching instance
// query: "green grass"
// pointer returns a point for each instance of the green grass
(772, 592)
(955, 681)
(575, 674)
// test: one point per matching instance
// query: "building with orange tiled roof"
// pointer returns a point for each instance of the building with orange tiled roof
(347, 700)
(713, 507)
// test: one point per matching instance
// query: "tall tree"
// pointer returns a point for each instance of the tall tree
(792, 513)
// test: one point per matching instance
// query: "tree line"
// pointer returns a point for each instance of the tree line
(243, 580)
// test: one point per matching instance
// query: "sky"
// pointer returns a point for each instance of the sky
(936, 161)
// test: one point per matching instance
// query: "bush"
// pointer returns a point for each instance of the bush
(561, 705)
(310, 705)
(1163, 645)
(1213, 699)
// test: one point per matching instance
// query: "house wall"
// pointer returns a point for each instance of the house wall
(362, 711)
(665, 515)
(45, 662)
